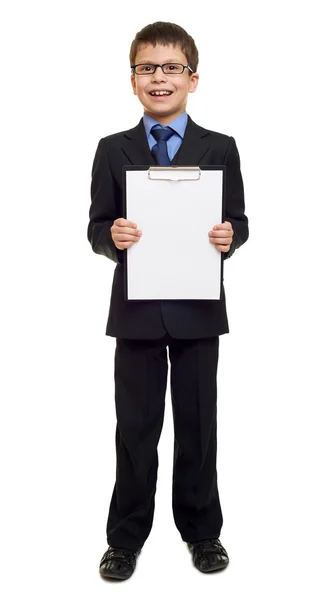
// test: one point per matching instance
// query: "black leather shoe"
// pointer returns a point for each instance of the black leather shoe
(118, 563)
(208, 555)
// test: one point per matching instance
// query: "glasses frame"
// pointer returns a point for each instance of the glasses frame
(133, 67)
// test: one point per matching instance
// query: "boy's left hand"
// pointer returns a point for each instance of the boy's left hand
(222, 236)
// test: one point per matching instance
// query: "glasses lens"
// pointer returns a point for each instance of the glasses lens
(144, 69)
(173, 68)
(168, 68)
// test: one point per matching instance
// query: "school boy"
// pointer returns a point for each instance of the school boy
(164, 59)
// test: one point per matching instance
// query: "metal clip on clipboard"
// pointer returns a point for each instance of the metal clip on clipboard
(172, 170)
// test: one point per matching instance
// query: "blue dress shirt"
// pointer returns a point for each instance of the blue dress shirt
(179, 125)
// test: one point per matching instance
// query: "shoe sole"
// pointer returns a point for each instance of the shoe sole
(212, 570)
(114, 578)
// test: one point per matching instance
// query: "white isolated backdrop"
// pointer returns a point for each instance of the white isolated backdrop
(263, 80)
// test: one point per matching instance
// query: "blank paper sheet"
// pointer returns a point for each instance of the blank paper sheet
(174, 258)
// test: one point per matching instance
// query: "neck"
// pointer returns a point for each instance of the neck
(164, 119)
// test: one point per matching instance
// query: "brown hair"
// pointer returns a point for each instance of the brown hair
(165, 34)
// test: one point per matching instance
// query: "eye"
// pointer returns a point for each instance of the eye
(173, 67)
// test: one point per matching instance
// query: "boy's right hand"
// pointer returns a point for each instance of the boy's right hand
(124, 233)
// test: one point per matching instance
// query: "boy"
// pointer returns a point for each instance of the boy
(164, 61)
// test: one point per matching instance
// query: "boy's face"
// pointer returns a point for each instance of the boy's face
(165, 108)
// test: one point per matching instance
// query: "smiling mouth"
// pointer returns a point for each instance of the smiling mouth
(160, 93)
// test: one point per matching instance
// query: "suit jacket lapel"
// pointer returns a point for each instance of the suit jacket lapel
(194, 145)
(135, 146)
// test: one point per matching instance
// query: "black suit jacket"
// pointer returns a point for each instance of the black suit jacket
(151, 319)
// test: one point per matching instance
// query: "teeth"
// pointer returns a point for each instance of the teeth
(163, 93)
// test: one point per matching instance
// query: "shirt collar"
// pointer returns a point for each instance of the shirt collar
(178, 125)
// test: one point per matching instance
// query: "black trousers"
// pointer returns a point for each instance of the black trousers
(140, 385)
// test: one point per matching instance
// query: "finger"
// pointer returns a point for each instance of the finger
(220, 244)
(121, 222)
(220, 234)
(127, 230)
(222, 248)
(223, 239)
(220, 231)
(125, 237)
(123, 245)
(223, 226)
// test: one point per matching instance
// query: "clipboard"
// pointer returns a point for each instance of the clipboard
(175, 207)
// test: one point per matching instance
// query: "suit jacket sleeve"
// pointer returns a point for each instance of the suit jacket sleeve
(235, 205)
(103, 210)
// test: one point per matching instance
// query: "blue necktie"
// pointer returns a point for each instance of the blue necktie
(159, 150)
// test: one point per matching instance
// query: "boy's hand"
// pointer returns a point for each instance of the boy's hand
(222, 236)
(124, 233)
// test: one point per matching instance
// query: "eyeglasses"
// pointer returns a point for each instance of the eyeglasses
(167, 68)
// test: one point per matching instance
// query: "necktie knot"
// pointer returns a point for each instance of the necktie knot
(162, 135)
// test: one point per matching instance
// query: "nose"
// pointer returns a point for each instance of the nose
(158, 75)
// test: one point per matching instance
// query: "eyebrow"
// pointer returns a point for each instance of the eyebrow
(169, 60)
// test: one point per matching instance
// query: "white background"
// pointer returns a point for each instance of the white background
(65, 75)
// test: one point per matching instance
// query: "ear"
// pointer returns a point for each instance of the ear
(193, 82)
(133, 83)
